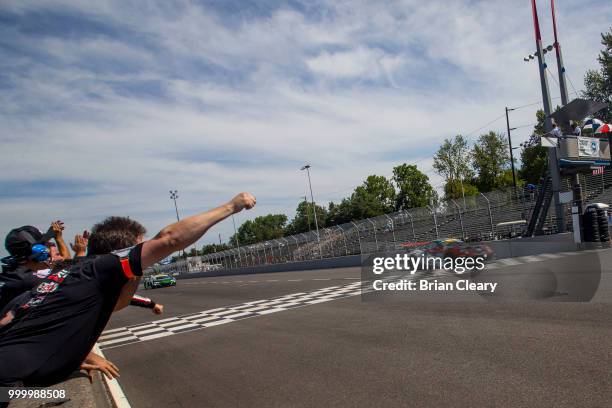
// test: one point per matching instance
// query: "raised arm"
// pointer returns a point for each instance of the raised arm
(80, 244)
(181, 234)
(58, 228)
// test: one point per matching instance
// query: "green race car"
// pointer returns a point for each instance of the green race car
(159, 281)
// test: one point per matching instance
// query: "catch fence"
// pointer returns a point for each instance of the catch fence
(490, 216)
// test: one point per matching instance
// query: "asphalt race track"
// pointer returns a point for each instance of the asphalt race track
(326, 346)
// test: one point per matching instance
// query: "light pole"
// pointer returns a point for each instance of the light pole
(307, 213)
(236, 237)
(553, 164)
(510, 146)
(174, 196)
(314, 207)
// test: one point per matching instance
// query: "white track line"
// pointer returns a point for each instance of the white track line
(119, 398)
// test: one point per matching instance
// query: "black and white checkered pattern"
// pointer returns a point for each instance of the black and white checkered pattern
(214, 317)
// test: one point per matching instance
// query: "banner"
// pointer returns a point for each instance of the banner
(588, 147)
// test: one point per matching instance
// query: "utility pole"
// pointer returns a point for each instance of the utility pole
(510, 146)
(553, 163)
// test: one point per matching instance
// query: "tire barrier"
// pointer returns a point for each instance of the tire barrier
(595, 223)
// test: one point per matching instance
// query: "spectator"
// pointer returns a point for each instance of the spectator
(29, 252)
(576, 130)
(80, 247)
(54, 330)
(556, 132)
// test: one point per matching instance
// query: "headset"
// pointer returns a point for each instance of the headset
(40, 253)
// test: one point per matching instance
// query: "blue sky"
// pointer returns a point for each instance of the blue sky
(107, 105)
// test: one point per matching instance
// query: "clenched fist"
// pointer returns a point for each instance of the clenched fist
(242, 201)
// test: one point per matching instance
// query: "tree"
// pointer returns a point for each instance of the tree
(598, 83)
(340, 213)
(212, 248)
(490, 159)
(260, 229)
(534, 157)
(452, 160)
(304, 218)
(453, 189)
(376, 196)
(414, 187)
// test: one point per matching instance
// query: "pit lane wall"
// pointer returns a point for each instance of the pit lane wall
(508, 248)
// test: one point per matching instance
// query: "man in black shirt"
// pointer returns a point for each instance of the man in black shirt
(56, 324)
(29, 251)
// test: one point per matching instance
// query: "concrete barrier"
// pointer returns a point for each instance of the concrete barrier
(80, 393)
(327, 263)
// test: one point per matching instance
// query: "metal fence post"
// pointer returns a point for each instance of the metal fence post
(281, 245)
(411, 224)
(222, 259)
(272, 256)
(304, 243)
(287, 246)
(358, 237)
(330, 241)
(344, 237)
(375, 237)
(265, 256)
(435, 220)
(490, 216)
(392, 230)
(460, 219)
(296, 247)
(230, 258)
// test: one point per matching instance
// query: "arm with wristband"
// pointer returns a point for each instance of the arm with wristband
(57, 227)
(173, 238)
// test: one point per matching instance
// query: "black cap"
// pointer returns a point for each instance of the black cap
(19, 241)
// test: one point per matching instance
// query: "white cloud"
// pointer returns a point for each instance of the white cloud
(362, 63)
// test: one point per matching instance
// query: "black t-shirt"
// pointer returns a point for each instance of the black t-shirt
(56, 324)
(14, 282)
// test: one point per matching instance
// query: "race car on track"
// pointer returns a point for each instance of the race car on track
(449, 247)
(159, 281)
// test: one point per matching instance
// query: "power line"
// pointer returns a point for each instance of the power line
(431, 170)
(572, 84)
(553, 76)
(528, 105)
(484, 126)
(524, 126)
